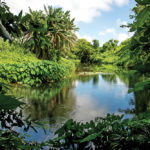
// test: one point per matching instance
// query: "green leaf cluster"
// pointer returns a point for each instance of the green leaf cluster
(15, 53)
(34, 73)
(111, 132)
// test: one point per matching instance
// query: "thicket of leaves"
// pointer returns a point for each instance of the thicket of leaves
(111, 132)
(11, 22)
(136, 51)
(35, 73)
(15, 53)
(18, 65)
(86, 52)
(47, 34)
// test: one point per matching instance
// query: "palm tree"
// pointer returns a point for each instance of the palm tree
(49, 33)
(36, 37)
(3, 30)
(61, 28)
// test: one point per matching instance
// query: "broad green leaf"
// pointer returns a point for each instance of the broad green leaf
(90, 137)
(143, 2)
(143, 16)
(8, 102)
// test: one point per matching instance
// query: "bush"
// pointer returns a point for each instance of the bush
(108, 133)
(14, 53)
(20, 66)
(35, 73)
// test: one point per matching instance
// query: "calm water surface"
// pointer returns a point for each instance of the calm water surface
(82, 99)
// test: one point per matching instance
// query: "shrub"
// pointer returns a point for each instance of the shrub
(34, 73)
(14, 53)
(108, 133)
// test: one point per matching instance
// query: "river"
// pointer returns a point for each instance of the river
(83, 98)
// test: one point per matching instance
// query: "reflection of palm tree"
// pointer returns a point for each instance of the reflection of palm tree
(47, 101)
(141, 103)
(95, 79)
(128, 110)
(141, 98)
(110, 78)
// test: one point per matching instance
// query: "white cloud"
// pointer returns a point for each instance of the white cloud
(113, 32)
(120, 22)
(87, 37)
(108, 31)
(81, 10)
(115, 35)
(122, 36)
(121, 2)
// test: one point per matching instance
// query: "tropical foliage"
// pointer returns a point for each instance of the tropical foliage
(110, 132)
(50, 34)
(46, 34)
(86, 52)
(19, 66)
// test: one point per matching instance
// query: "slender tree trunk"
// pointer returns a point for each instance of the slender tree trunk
(4, 31)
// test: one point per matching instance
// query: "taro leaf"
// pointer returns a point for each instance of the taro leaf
(8, 102)
(59, 138)
(143, 2)
(90, 137)
(60, 131)
(69, 123)
(143, 16)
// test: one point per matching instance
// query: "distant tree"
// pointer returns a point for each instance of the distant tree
(83, 50)
(111, 45)
(95, 43)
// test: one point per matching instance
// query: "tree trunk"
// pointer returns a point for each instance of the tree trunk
(4, 31)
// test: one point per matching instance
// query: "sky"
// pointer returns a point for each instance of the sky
(96, 19)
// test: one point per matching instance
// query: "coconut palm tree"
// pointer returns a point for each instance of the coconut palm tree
(49, 33)
(61, 28)
(3, 31)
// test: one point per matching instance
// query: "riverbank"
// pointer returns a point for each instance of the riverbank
(96, 94)
(22, 67)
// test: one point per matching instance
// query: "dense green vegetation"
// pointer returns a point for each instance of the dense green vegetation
(35, 53)
(134, 53)
(17, 65)
(104, 133)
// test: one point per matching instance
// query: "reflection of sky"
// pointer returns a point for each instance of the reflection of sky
(86, 101)
(98, 100)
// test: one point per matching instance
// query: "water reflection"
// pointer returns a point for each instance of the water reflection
(83, 99)
(141, 101)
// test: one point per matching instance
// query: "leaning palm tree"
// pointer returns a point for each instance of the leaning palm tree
(3, 31)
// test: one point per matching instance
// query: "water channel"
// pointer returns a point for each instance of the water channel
(83, 98)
